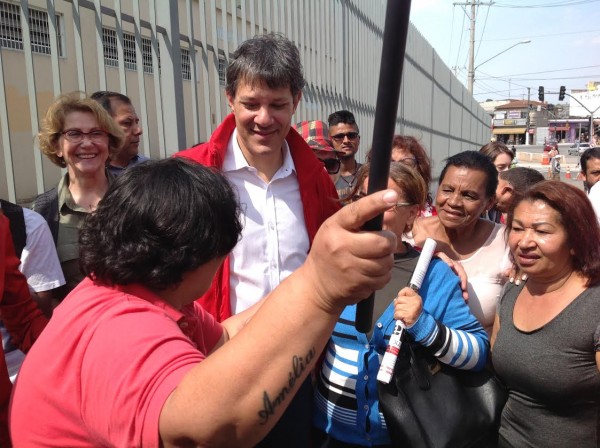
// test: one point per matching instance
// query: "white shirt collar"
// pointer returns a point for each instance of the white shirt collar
(235, 160)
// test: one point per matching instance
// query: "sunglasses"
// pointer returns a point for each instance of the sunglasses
(332, 165)
(340, 137)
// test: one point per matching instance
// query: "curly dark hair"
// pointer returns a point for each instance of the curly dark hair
(475, 161)
(159, 220)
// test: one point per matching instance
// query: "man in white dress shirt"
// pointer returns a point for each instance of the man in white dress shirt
(284, 191)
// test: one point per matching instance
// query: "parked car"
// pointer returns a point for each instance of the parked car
(577, 149)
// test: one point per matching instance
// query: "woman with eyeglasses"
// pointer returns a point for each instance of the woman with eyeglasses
(346, 406)
(79, 135)
(409, 151)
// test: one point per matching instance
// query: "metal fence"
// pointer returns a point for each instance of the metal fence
(170, 57)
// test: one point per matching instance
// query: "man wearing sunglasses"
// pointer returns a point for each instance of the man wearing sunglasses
(345, 137)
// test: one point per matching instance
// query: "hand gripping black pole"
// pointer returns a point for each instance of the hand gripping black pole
(390, 78)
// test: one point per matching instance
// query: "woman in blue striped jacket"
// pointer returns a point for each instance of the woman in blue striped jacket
(346, 407)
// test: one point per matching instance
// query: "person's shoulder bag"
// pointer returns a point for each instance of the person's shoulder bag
(431, 405)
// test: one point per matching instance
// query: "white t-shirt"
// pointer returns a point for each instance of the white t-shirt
(39, 262)
(594, 197)
(41, 268)
(485, 272)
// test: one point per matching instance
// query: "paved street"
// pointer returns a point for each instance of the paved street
(530, 156)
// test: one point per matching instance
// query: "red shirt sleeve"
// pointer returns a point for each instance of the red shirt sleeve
(21, 315)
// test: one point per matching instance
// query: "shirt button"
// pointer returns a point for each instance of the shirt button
(366, 377)
(367, 346)
(366, 407)
(379, 325)
(183, 324)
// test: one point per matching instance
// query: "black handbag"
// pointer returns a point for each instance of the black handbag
(428, 404)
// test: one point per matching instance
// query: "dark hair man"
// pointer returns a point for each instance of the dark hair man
(122, 111)
(131, 359)
(590, 169)
(345, 137)
(512, 183)
(285, 193)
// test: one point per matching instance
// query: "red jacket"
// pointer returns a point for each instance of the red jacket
(318, 194)
(23, 319)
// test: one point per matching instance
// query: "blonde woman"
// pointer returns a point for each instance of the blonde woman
(79, 135)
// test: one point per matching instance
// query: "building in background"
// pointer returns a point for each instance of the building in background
(584, 105)
(170, 58)
(533, 122)
(512, 122)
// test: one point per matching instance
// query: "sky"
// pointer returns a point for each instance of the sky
(564, 48)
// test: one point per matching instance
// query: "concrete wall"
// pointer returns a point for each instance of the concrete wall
(340, 45)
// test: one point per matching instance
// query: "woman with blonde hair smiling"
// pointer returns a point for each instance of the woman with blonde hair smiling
(79, 135)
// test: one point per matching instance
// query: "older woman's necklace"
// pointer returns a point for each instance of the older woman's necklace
(351, 182)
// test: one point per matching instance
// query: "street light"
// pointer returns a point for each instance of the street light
(472, 69)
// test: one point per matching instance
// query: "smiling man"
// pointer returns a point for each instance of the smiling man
(121, 110)
(284, 192)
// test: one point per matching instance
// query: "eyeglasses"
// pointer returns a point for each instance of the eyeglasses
(408, 161)
(361, 195)
(332, 165)
(76, 136)
(340, 137)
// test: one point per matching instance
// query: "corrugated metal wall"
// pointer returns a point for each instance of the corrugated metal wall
(128, 46)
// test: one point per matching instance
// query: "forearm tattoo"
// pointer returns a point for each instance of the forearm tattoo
(270, 405)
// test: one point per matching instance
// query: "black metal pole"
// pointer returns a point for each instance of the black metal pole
(386, 109)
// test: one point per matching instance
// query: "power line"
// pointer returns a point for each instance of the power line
(543, 35)
(482, 31)
(501, 78)
(548, 71)
(461, 38)
(545, 5)
(559, 78)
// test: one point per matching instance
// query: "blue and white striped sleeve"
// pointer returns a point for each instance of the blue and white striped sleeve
(446, 324)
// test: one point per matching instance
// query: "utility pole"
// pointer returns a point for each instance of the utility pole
(471, 72)
(528, 115)
(472, 49)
